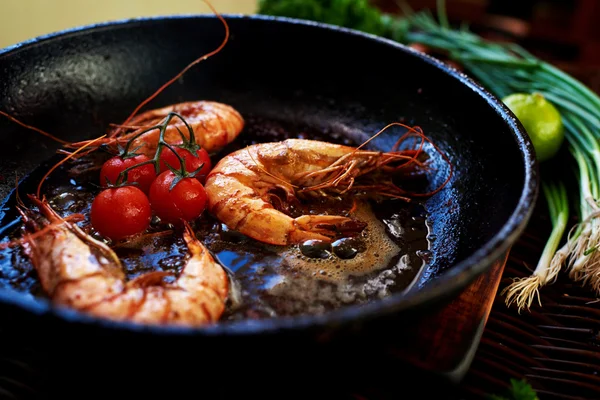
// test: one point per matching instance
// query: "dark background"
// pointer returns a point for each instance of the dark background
(563, 32)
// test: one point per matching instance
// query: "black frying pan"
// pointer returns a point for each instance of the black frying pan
(75, 83)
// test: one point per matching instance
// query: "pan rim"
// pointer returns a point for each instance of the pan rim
(456, 278)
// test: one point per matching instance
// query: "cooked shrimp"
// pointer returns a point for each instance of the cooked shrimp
(214, 124)
(242, 187)
(79, 272)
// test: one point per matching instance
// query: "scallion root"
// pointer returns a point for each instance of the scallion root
(523, 291)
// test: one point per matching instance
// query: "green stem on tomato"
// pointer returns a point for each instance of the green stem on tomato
(155, 161)
(189, 144)
(130, 141)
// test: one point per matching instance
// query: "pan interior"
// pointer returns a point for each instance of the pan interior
(75, 85)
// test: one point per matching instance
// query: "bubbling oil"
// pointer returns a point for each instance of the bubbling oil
(377, 252)
(266, 281)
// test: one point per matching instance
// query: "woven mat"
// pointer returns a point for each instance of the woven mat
(555, 347)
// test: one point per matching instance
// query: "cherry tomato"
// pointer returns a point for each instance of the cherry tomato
(191, 163)
(120, 212)
(143, 175)
(187, 200)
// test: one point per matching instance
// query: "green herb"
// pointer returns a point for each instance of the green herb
(523, 291)
(519, 390)
(355, 14)
(504, 69)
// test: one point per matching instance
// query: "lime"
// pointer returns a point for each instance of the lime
(541, 120)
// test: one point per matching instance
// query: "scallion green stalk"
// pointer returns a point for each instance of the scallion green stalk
(504, 68)
(507, 69)
(524, 290)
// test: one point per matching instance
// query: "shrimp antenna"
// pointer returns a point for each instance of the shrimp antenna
(410, 128)
(419, 133)
(17, 196)
(446, 159)
(41, 232)
(33, 128)
(58, 164)
(176, 77)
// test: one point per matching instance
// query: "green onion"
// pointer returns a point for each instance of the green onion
(507, 69)
(504, 69)
(523, 291)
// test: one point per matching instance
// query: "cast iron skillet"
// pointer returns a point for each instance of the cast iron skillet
(75, 83)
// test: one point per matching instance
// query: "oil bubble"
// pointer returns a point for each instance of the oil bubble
(347, 248)
(316, 249)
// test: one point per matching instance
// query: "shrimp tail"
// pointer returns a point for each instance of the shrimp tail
(190, 237)
(195, 248)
